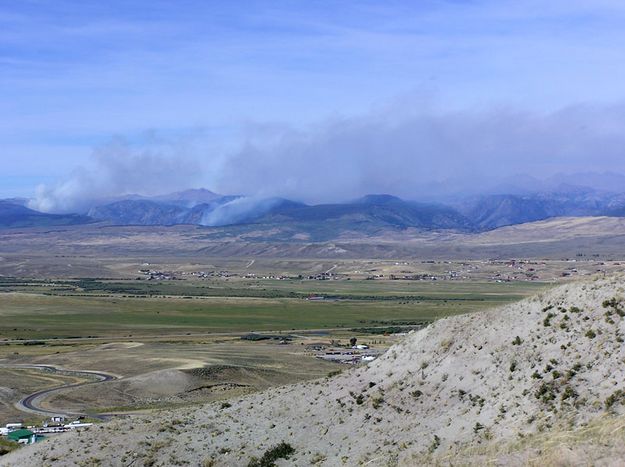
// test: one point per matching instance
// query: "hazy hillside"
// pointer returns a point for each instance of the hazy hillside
(489, 212)
(369, 214)
(189, 197)
(222, 210)
(13, 214)
(375, 211)
(537, 371)
(139, 212)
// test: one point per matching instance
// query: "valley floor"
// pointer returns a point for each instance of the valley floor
(536, 381)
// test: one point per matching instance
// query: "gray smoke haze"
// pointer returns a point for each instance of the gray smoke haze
(411, 153)
(408, 150)
(118, 169)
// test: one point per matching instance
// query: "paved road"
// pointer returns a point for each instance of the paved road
(32, 403)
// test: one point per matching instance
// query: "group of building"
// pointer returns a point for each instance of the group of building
(18, 433)
(351, 355)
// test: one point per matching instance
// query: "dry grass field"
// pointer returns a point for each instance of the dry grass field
(39, 316)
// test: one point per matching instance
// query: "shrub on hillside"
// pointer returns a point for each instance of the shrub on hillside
(616, 396)
(436, 442)
(615, 305)
(279, 451)
(547, 320)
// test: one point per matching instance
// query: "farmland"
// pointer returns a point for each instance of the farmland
(163, 309)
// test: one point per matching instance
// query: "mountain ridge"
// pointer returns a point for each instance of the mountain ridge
(16, 215)
(370, 214)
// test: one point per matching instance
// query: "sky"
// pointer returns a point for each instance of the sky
(315, 100)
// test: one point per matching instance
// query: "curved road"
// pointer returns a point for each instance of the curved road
(32, 402)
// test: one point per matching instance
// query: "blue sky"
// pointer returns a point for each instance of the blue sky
(75, 74)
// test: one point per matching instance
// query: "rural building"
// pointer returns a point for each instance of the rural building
(56, 421)
(24, 436)
(9, 427)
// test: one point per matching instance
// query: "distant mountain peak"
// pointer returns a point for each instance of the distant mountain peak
(378, 199)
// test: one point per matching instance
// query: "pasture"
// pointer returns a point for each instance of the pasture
(179, 308)
(177, 342)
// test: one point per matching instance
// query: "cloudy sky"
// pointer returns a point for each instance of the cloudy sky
(311, 99)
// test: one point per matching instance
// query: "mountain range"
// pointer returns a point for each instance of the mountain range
(14, 214)
(367, 215)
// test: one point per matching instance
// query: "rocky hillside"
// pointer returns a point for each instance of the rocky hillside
(505, 385)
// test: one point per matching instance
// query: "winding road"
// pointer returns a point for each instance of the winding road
(32, 402)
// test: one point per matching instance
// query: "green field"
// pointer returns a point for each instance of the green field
(106, 310)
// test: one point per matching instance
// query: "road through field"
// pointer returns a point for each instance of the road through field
(32, 402)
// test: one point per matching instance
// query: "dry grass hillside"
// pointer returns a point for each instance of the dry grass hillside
(550, 230)
(537, 382)
(168, 387)
(95, 250)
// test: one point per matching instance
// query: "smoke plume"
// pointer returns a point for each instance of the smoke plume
(405, 150)
(118, 169)
(411, 153)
